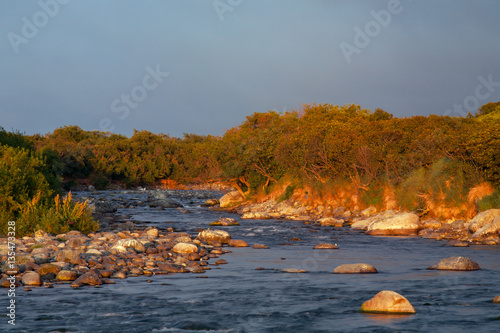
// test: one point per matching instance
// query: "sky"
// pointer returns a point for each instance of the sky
(202, 66)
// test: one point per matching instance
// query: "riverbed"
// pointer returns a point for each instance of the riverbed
(237, 297)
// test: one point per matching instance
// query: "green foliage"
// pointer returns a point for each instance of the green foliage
(489, 202)
(287, 194)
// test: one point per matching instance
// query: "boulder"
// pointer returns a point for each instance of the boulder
(404, 224)
(490, 230)
(90, 278)
(368, 211)
(230, 199)
(330, 221)
(46, 269)
(122, 245)
(363, 224)
(237, 243)
(225, 221)
(256, 216)
(66, 275)
(32, 279)
(70, 256)
(185, 248)
(482, 219)
(456, 264)
(355, 269)
(208, 235)
(388, 301)
(325, 246)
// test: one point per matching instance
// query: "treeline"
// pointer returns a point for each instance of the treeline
(325, 154)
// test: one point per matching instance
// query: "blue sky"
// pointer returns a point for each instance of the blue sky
(201, 66)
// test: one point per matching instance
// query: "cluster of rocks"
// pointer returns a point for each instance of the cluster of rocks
(484, 228)
(45, 260)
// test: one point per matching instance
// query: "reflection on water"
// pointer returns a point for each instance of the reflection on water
(238, 298)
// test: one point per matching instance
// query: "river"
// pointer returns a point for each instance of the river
(238, 298)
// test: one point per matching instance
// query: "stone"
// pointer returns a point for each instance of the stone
(221, 261)
(122, 245)
(456, 264)
(210, 203)
(170, 268)
(46, 269)
(496, 299)
(237, 243)
(70, 256)
(153, 232)
(457, 243)
(322, 246)
(165, 203)
(66, 275)
(489, 230)
(225, 221)
(32, 279)
(90, 278)
(230, 199)
(260, 246)
(293, 270)
(214, 235)
(388, 301)
(256, 216)
(403, 224)
(95, 252)
(355, 269)
(368, 211)
(330, 221)
(185, 248)
(482, 219)
(75, 242)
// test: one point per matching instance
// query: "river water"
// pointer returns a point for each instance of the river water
(238, 298)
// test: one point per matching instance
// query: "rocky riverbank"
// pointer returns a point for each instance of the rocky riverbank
(483, 229)
(99, 258)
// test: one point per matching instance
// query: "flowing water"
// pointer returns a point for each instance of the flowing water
(238, 298)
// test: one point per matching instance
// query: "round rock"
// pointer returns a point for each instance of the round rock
(185, 248)
(388, 301)
(456, 264)
(32, 279)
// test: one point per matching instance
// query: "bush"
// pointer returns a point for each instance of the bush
(489, 202)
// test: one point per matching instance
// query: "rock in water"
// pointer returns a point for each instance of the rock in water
(293, 270)
(185, 248)
(90, 278)
(456, 264)
(66, 275)
(388, 301)
(355, 269)
(496, 299)
(214, 235)
(325, 246)
(404, 224)
(237, 243)
(225, 221)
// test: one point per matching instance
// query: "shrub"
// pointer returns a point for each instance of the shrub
(489, 202)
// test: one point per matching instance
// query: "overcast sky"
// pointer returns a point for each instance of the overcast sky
(201, 66)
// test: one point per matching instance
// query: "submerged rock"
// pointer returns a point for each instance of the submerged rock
(355, 269)
(456, 264)
(237, 243)
(388, 301)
